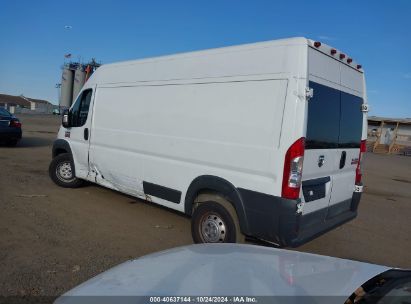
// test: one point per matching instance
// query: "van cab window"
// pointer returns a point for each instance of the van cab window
(79, 111)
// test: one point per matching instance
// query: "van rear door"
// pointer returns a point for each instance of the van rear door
(321, 153)
(349, 140)
(334, 130)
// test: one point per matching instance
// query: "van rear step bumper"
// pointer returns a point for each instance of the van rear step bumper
(312, 232)
(276, 220)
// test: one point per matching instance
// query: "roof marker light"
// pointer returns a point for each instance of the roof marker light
(317, 44)
(342, 56)
(349, 60)
(333, 51)
(359, 66)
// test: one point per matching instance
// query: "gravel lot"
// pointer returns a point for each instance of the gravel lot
(52, 239)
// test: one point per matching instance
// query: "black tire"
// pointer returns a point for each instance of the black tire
(61, 171)
(212, 223)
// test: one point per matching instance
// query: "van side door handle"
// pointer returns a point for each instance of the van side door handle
(342, 159)
(86, 133)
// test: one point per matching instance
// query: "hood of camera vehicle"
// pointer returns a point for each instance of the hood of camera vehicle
(229, 269)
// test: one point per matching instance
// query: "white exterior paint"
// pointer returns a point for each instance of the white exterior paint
(328, 71)
(231, 112)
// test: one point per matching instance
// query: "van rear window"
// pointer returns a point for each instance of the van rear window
(334, 119)
(350, 121)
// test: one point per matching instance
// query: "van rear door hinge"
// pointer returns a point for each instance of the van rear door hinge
(309, 93)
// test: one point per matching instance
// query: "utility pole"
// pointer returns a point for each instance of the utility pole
(58, 87)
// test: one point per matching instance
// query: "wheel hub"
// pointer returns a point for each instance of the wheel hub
(213, 229)
(64, 171)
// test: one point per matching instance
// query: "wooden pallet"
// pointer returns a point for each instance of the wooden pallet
(381, 149)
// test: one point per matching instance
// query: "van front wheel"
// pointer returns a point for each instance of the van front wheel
(61, 171)
(212, 223)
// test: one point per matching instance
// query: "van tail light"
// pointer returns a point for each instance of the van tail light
(293, 169)
(358, 173)
(15, 124)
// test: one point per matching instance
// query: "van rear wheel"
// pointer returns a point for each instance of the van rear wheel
(215, 222)
(61, 171)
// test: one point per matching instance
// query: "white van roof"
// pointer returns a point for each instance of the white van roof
(282, 56)
(270, 57)
(233, 48)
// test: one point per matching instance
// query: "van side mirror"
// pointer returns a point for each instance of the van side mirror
(66, 119)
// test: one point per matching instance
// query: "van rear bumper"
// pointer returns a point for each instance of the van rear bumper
(276, 219)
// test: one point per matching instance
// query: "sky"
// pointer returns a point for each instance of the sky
(35, 35)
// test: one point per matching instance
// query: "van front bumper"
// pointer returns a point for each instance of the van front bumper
(278, 220)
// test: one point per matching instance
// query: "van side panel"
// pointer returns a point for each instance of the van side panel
(168, 135)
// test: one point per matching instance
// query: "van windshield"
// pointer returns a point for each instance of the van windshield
(334, 119)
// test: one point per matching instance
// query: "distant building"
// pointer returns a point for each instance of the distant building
(40, 105)
(22, 104)
(12, 102)
(389, 135)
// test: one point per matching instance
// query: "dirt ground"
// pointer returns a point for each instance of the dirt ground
(52, 239)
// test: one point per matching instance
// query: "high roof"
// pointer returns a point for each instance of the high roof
(335, 54)
(262, 58)
(322, 47)
(263, 44)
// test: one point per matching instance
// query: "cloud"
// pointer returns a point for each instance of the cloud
(407, 75)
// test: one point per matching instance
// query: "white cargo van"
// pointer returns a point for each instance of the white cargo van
(261, 140)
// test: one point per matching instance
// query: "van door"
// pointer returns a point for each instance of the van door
(78, 134)
(334, 129)
(320, 152)
(347, 154)
(119, 124)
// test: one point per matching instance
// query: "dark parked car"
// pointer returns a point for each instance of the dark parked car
(10, 128)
